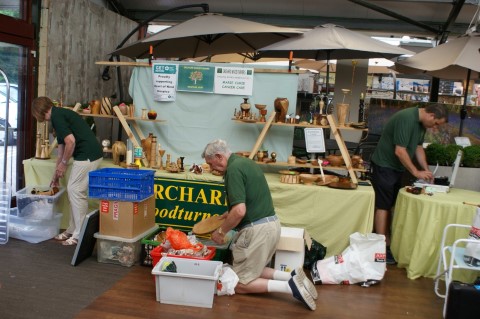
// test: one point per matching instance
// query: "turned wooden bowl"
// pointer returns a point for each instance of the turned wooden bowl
(308, 179)
(260, 106)
(335, 160)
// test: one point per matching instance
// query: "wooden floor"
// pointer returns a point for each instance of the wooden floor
(395, 297)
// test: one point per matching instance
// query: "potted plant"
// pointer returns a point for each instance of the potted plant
(444, 155)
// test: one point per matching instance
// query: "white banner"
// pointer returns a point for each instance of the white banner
(234, 81)
(164, 81)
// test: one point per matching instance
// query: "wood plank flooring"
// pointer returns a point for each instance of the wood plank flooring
(395, 297)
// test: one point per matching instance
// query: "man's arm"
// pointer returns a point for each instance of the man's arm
(232, 219)
(402, 154)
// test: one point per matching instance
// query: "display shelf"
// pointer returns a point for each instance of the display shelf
(307, 165)
(334, 129)
(128, 118)
(298, 125)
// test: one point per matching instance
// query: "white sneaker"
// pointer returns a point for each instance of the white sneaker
(300, 292)
(312, 290)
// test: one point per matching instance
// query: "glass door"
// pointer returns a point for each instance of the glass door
(10, 101)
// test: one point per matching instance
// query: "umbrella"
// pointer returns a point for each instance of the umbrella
(205, 35)
(330, 41)
(376, 65)
(458, 58)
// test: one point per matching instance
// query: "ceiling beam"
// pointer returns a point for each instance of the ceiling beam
(396, 16)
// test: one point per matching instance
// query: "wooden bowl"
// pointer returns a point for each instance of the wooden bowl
(308, 179)
(335, 160)
(260, 106)
(328, 179)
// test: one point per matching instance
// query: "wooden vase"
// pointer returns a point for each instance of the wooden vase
(95, 106)
(281, 107)
(147, 146)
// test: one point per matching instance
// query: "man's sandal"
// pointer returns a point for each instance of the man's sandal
(63, 236)
(70, 242)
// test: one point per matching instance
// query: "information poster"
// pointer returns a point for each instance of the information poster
(196, 78)
(164, 81)
(314, 140)
(234, 81)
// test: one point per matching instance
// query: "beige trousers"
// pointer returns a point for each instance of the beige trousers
(77, 189)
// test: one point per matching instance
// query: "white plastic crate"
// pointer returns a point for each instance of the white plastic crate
(192, 285)
(118, 250)
(37, 206)
(33, 230)
(5, 199)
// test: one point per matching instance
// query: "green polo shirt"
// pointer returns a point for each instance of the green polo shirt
(66, 122)
(404, 129)
(245, 183)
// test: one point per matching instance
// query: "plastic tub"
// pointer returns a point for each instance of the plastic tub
(37, 206)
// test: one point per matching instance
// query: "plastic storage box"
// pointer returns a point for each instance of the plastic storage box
(33, 230)
(192, 285)
(121, 184)
(37, 206)
(5, 199)
(156, 254)
(118, 250)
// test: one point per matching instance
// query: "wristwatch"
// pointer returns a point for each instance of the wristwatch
(220, 231)
(64, 161)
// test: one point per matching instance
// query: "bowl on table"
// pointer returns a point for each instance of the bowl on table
(308, 179)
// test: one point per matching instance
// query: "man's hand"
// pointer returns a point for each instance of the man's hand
(218, 236)
(425, 175)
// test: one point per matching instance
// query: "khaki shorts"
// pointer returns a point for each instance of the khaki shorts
(253, 248)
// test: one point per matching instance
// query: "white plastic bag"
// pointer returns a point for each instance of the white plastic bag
(227, 282)
(472, 250)
(364, 260)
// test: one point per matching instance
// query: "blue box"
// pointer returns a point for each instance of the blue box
(121, 184)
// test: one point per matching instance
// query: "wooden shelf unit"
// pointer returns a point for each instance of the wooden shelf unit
(335, 131)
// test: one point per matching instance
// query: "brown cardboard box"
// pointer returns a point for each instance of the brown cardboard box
(126, 219)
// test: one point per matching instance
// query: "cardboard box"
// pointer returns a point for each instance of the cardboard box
(126, 219)
(193, 284)
(291, 248)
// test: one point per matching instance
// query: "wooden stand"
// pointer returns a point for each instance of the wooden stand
(336, 133)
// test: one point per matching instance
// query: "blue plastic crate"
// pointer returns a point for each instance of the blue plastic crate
(121, 184)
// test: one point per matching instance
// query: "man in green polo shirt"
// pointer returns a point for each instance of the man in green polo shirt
(401, 141)
(75, 140)
(251, 213)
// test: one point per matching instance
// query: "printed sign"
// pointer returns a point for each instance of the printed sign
(314, 140)
(196, 78)
(164, 78)
(183, 203)
(234, 80)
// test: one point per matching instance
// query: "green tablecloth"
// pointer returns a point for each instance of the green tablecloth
(329, 215)
(418, 225)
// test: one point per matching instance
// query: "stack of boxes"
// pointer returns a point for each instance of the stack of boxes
(36, 217)
(127, 212)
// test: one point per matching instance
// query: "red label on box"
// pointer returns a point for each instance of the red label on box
(104, 206)
(135, 208)
(116, 211)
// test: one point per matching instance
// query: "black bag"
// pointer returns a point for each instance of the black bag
(463, 300)
(316, 252)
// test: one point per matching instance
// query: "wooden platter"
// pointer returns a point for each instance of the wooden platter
(340, 185)
(328, 180)
(208, 225)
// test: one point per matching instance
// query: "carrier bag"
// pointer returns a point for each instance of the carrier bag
(472, 250)
(364, 260)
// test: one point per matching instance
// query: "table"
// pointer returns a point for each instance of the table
(418, 224)
(329, 215)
